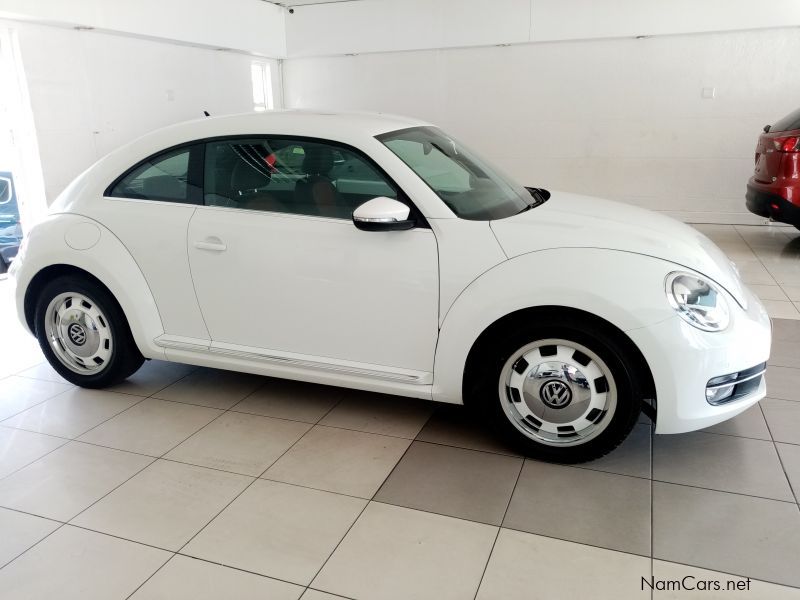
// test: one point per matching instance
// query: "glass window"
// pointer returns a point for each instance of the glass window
(467, 184)
(290, 176)
(787, 123)
(164, 177)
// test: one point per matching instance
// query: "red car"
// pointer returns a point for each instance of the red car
(774, 189)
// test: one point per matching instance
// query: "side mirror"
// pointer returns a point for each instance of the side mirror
(383, 214)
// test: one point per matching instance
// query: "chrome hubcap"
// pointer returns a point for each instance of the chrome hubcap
(557, 392)
(79, 333)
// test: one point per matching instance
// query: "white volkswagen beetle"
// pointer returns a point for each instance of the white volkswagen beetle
(381, 254)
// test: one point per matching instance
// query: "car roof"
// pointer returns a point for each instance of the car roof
(333, 125)
(352, 128)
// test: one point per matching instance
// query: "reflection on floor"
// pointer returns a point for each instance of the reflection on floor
(196, 483)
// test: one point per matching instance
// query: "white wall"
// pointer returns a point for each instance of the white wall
(91, 92)
(392, 25)
(248, 25)
(622, 118)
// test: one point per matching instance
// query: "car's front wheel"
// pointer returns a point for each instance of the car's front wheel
(562, 392)
(84, 334)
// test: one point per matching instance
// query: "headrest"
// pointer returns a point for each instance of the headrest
(164, 186)
(318, 160)
(245, 177)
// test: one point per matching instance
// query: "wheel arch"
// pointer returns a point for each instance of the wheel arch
(45, 276)
(491, 334)
(617, 290)
(107, 263)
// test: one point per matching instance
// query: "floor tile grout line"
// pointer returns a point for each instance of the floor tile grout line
(320, 424)
(152, 397)
(769, 272)
(746, 437)
(328, 593)
(30, 514)
(61, 525)
(366, 504)
(34, 405)
(153, 574)
(308, 487)
(240, 569)
(697, 487)
(179, 552)
(715, 570)
(585, 468)
(66, 441)
(499, 529)
(69, 521)
(780, 459)
(392, 470)
(119, 537)
(82, 511)
(339, 543)
(261, 476)
(248, 486)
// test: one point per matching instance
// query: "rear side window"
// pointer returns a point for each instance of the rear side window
(164, 177)
(787, 123)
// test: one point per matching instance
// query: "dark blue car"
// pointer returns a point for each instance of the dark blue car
(10, 228)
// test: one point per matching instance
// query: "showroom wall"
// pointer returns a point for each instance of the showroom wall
(91, 92)
(101, 73)
(661, 121)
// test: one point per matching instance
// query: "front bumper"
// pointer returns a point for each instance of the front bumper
(684, 359)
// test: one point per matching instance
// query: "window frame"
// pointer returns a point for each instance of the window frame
(194, 191)
(382, 139)
(195, 179)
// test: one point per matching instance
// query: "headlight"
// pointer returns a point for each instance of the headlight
(698, 301)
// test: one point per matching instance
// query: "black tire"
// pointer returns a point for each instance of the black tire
(125, 357)
(483, 394)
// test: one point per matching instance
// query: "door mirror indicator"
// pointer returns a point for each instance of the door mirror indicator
(383, 214)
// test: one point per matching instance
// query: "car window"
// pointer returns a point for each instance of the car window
(295, 176)
(164, 177)
(471, 187)
(787, 123)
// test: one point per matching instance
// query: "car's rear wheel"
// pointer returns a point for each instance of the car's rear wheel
(562, 392)
(84, 334)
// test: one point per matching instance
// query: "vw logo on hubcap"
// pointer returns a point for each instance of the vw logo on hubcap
(77, 334)
(555, 394)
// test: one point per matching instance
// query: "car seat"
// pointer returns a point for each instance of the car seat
(316, 191)
(246, 188)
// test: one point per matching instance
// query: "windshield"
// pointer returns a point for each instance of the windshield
(472, 188)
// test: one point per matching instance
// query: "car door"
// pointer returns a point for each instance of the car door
(148, 208)
(281, 272)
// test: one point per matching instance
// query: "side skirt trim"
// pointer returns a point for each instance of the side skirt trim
(296, 360)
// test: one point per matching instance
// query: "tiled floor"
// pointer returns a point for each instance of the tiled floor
(189, 483)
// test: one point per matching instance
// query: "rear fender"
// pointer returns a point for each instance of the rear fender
(80, 242)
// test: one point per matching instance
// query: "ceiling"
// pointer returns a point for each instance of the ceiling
(290, 3)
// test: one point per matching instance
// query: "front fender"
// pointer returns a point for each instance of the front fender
(625, 289)
(102, 255)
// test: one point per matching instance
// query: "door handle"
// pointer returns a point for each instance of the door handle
(214, 244)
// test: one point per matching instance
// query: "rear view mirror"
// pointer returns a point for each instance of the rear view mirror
(383, 214)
